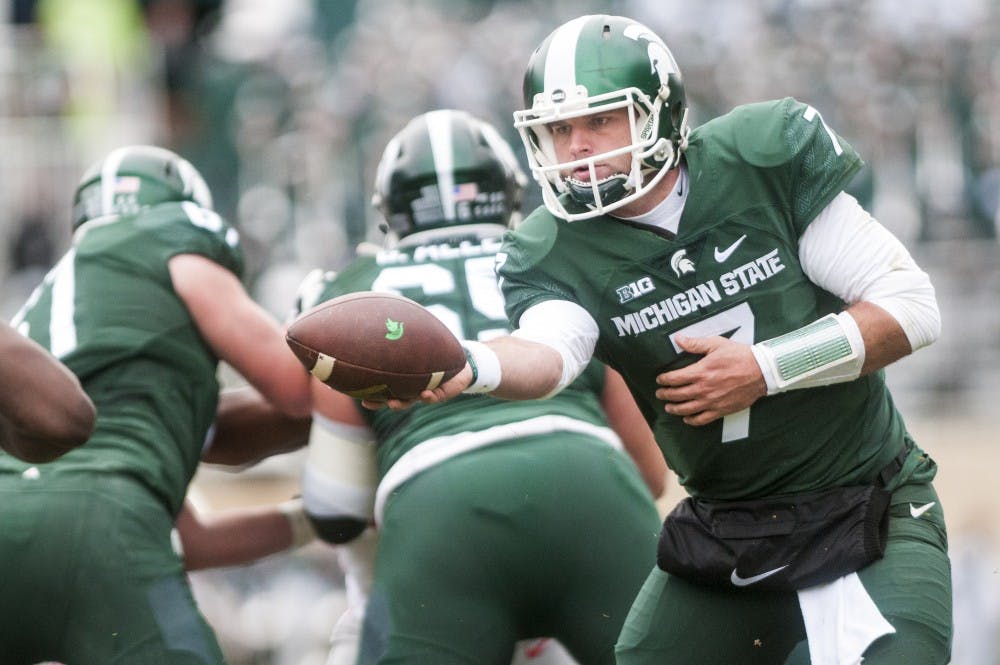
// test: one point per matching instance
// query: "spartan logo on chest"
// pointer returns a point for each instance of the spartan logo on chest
(680, 263)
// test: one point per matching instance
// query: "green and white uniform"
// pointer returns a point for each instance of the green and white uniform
(531, 522)
(757, 178)
(91, 574)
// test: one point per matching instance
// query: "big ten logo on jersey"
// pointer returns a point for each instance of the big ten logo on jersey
(635, 289)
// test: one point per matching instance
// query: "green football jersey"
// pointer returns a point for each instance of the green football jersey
(452, 275)
(758, 176)
(108, 310)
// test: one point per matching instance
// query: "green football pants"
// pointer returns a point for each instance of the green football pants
(548, 536)
(90, 577)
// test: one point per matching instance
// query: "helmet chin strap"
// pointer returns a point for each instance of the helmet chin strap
(609, 190)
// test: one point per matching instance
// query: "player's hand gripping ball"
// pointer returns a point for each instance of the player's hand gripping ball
(375, 346)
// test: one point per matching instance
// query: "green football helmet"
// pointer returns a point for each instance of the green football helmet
(135, 177)
(447, 168)
(596, 64)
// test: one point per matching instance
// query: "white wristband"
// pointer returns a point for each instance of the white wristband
(485, 367)
(828, 350)
(302, 529)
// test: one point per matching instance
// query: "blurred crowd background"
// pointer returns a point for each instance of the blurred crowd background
(285, 106)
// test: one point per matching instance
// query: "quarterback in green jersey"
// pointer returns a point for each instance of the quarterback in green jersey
(141, 308)
(750, 304)
(497, 521)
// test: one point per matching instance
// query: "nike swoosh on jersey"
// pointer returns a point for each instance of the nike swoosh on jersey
(747, 581)
(917, 512)
(724, 254)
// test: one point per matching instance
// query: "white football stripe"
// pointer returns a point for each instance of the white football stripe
(439, 127)
(323, 367)
(435, 380)
(560, 61)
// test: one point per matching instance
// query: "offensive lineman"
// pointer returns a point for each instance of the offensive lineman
(497, 521)
(142, 308)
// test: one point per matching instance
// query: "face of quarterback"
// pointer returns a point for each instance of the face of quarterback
(585, 137)
(579, 138)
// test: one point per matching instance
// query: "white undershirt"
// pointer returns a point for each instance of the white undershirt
(667, 213)
(844, 251)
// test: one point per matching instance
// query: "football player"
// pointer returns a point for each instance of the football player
(497, 521)
(751, 304)
(247, 429)
(142, 308)
(44, 412)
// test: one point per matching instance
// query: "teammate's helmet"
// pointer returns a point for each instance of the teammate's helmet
(595, 64)
(134, 177)
(447, 168)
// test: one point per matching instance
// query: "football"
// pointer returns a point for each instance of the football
(375, 346)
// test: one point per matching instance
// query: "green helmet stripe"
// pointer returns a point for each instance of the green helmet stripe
(560, 61)
(439, 129)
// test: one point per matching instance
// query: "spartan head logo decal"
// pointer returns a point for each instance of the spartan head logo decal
(660, 59)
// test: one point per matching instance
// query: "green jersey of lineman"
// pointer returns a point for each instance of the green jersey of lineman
(455, 280)
(526, 522)
(90, 533)
(757, 176)
(109, 312)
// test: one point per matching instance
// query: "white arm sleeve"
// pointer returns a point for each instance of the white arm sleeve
(848, 253)
(565, 327)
